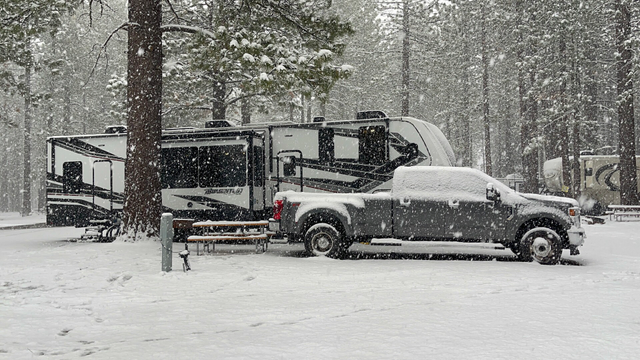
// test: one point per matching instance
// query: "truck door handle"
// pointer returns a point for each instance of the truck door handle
(405, 201)
(454, 204)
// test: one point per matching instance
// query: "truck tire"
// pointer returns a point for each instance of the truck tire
(541, 245)
(323, 239)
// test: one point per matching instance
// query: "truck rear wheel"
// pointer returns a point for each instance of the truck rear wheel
(325, 240)
(542, 245)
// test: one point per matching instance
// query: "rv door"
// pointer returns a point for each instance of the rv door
(257, 176)
(102, 187)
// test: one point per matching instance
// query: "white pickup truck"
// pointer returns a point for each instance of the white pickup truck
(433, 203)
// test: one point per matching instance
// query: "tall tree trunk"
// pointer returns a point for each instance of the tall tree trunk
(4, 180)
(143, 200)
(590, 105)
(218, 105)
(563, 124)
(291, 107)
(576, 156)
(627, 139)
(245, 110)
(575, 136)
(26, 180)
(488, 168)
(527, 132)
(467, 140)
(406, 49)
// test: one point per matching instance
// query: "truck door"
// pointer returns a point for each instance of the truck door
(470, 215)
(482, 220)
(418, 217)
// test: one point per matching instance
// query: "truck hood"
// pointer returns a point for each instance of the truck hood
(558, 202)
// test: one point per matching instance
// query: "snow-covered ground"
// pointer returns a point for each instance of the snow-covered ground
(63, 300)
(14, 219)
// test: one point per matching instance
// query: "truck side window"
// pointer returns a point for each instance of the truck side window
(372, 145)
(179, 168)
(72, 177)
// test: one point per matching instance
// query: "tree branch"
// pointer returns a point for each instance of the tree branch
(187, 29)
(124, 26)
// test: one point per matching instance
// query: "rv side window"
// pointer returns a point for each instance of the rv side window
(258, 166)
(326, 145)
(72, 177)
(223, 166)
(289, 166)
(179, 168)
(373, 145)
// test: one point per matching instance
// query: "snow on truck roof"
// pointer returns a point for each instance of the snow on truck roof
(444, 182)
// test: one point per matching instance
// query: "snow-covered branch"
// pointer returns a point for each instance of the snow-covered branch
(187, 29)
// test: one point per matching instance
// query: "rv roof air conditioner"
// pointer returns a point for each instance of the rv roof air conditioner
(371, 114)
(318, 119)
(218, 124)
(115, 129)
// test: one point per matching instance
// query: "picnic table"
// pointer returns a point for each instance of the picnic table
(215, 231)
(624, 212)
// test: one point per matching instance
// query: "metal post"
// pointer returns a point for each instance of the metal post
(166, 238)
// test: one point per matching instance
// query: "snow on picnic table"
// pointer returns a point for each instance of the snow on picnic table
(64, 300)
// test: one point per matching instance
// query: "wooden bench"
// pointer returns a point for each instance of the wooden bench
(215, 231)
(624, 212)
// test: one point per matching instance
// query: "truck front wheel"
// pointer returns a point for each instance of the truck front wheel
(325, 240)
(542, 245)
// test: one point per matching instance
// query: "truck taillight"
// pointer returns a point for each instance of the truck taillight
(278, 205)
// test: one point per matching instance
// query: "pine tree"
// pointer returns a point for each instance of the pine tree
(143, 197)
(23, 22)
(627, 145)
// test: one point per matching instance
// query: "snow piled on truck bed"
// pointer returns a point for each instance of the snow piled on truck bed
(67, 300)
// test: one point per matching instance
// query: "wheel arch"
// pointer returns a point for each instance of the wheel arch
(324, 216)
(550, 222)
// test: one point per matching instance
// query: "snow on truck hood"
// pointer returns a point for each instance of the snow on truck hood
(548, 198)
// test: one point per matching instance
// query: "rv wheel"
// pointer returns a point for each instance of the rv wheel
(324, 240)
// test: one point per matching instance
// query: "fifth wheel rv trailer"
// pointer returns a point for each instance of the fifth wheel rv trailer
(599, 180)
(232, 173)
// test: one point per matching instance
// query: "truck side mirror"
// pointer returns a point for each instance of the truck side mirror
(493, 194)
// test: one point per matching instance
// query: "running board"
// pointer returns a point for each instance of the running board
(397, 242)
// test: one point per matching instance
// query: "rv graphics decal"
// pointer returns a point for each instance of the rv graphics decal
(236, 191)
(608, 171)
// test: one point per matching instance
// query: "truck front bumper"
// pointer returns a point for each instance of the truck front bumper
(576, 236)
